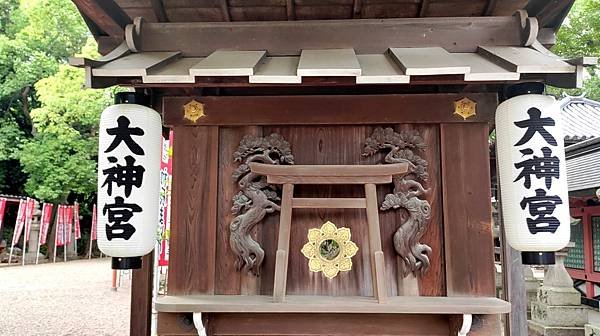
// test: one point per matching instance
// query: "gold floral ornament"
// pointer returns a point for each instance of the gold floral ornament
(465, 108)
(329, 250)
(193, 111)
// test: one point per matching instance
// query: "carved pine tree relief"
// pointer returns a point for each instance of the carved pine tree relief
(256, 197)
(409, 194)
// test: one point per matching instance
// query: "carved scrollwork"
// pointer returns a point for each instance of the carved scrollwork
(409, 194)
(256, 197)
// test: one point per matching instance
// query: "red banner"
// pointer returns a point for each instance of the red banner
(94, 223)
(29, 217)
(59, 236)
(45, 222)
(76, 221)
(20, 222)
(69, 222)
(2, 207)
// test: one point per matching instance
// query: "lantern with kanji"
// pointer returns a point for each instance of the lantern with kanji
(128, 180)
(532, 172)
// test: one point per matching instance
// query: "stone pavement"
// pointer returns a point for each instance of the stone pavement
(73, 298)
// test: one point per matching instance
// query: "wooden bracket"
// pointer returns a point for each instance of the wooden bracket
(200, 326)
(529, 26)
(132, 34)
(466, 325)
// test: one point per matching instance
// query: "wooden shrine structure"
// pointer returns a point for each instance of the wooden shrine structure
(368, 118)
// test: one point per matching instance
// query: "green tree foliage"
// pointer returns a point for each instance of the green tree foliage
(48, 122)
(580, 36)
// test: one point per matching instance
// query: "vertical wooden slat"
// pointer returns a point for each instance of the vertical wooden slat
(467, 216)
(141, 297)
(377, 261)
(283, 242)
(194, 213)
(290, 9)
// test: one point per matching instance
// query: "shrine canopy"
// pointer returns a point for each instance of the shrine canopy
(352, 42)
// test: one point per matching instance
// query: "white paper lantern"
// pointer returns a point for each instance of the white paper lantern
(128, 182)
(532, 172)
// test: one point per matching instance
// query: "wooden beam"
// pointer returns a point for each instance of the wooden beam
(423, 8)
(200, 39)
(225, 10)
(290, 10)
(554, 10)
(329, 110)
(106, 14)
(159, 10)
(489, 7)
(141, 297)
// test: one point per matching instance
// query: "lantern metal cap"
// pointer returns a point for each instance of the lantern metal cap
(131, 98)
(538, 258)
(126, 263)
(524, 88)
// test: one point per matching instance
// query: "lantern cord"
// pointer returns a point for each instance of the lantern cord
(199, 325)
(466, 325)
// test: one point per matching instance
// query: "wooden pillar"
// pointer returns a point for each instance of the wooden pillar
(141, 298)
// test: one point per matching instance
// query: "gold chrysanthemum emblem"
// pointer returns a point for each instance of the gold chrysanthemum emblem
(329, 250)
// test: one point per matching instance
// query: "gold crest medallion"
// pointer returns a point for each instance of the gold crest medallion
(193, 111)
(465, 108)
(329, 250)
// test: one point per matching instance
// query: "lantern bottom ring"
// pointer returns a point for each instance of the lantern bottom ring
(538, 258)
(122, 263)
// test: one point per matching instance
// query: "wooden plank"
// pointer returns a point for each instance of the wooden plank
(282, 179)
(524, 60)
(328, 62)
(228, 63)
(428, 61)
(329, 170)
(311, 110)
(194, 214)
(288, 38)
(377, 263)
(277, 70)
(332, 304)
(380, 69)
(175, 324)
(290, 10)
(106, 14)
(141, 297)
(328, 324)
(136, 64)
(467, 210)
(177, 71)
(329, 203)
(225, 10)
(283, 243)
(484, 70)
(467, 216)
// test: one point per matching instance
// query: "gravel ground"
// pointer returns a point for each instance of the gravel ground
(72, 298)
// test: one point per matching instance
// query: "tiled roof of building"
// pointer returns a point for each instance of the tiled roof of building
(581, 119)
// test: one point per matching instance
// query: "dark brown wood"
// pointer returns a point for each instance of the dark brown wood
(159, 10)
(141, 297)
(310, 110)
(423, 8)
(489, 7)
(467, 209)
(356, 9)
(106, 14)
(290, 10)
(194, 215)
(554, 10)
(467, 215)
(455, 34)
(224, 10)
(175, 324)
(327, 324)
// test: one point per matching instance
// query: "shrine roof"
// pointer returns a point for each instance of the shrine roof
(581, 119)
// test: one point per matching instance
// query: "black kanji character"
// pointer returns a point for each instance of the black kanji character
(536, 124)
(541, 207)
(123, 133)
(118, 213)
(546, 167)
(128, 175)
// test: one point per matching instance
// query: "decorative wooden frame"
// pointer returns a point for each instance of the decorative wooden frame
(369, 175)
